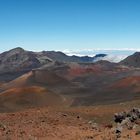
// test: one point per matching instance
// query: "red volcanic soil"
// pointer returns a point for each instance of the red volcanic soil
(28, 97)
(79, 70)
(63, 124)
(18, 82)
(127, 82)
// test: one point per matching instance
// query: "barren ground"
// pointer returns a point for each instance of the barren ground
(51, 123)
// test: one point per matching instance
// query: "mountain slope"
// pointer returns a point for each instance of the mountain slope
(78, 83)
(27, 97)
(133, 60)
(66, 83)
(18, 61)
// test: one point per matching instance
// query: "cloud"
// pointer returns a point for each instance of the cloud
(115, 58)
(102, 49)
(113, 55)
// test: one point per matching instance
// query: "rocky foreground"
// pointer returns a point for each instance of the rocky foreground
(89, 123)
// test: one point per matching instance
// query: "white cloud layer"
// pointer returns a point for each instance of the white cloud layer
(113, 55)
(114, 58)
(103, 49)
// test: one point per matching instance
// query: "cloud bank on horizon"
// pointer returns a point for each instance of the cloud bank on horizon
(113, 55)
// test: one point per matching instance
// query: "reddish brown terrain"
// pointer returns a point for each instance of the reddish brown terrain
(72, 84)
(76, 123)
(75, 99)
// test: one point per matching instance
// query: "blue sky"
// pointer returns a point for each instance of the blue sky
(69, 24)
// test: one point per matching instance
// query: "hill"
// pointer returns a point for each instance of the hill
(16, 62)
(78, 84)
(133, 60)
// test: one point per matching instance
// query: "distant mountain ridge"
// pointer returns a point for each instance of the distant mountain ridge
(49, 78)
(62, 57)
(19, 59)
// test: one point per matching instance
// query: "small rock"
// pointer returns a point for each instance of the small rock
(137, 133)
(135, 126)
(2, 127)
(118, 129)
(108, 126)
(78, 117)
(95, 126)
(91, 122)
(64, 115)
